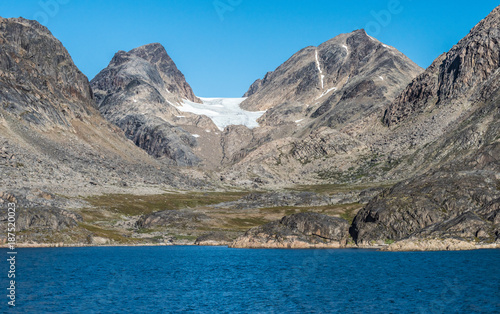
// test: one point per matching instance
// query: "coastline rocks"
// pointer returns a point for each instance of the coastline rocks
(463, 205)
(415, 244)
(214, 239)
(303, 230)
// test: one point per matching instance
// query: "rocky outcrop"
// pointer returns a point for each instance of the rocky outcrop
(419, 244)
(303, 230)
(36, 210)
(180, 219)
(214, 239)
(462, 205)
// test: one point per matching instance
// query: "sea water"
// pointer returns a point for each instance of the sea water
(218, 279)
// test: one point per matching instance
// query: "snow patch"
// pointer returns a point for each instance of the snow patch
(135, 100)
(345, 47)
(208, 131)
(381, 77)
(319, 69)
(195, 135)
(326, 92)
(180, 116)
(223, 111)
(297, 121)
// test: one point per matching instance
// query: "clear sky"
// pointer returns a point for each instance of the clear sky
(222, 46)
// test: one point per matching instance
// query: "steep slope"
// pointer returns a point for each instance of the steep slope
(51, 136)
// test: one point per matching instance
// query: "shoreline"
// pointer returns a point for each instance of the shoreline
(380, 248)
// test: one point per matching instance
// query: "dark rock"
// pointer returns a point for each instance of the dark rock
(301, 230)
(463, 205)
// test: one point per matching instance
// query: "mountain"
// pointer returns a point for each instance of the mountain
(351, 72)
(52, 139)
(324, 107)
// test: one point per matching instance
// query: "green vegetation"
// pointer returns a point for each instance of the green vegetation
(349, 214)
(389, 241)
(145, 204)
(245, 223)
(105, 233)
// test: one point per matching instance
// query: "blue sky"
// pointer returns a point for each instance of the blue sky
(222, 46)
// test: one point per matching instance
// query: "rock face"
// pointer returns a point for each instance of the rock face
(51, 135)
(462, 205)
(138, 92)
(39, 83)
(303, 230)
(454, 75)
(457, 98)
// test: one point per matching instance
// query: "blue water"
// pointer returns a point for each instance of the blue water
(218, 279)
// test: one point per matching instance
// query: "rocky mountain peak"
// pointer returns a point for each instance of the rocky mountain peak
(452, 76)
(151, 60)
(140, 91)
(340, 80)
(38, 80)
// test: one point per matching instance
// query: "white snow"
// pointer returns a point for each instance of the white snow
(167, 90)
(319, 69)
(180, 116)
(297, 121)
(195, 135)
(135, 100)
(326, 92)
(345, 47)
(223, 111)
(381, 77)
(208, 131)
